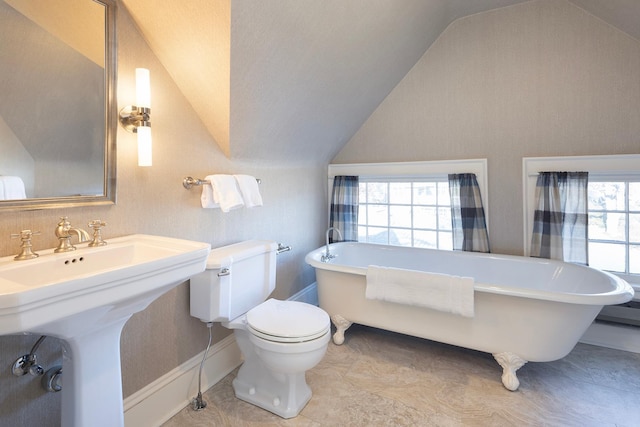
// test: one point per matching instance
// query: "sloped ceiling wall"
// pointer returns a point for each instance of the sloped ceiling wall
(192, 40)
(622, 14)
(293, 80)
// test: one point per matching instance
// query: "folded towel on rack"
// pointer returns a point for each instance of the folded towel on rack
(224, 192)
(442, 292)
(12, 188)
(250, 190)
(206, 198)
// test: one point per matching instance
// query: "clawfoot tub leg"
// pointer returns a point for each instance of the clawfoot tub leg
(342, 325)
(510, 364)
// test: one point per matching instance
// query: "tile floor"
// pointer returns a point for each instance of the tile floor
(379, 378)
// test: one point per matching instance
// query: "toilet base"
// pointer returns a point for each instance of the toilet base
(282, 394)
(272, 376)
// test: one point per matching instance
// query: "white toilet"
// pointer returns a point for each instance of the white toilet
(279, 340)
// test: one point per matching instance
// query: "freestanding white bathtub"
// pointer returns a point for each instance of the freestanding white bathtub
(525, 309)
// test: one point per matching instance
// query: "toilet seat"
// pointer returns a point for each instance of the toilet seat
(287, 321)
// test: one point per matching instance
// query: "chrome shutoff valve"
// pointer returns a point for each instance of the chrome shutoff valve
(27, 364)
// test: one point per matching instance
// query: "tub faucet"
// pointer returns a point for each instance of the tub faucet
(64, 231)
(327, 255)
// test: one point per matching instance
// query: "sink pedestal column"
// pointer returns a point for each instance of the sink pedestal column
(92, 381)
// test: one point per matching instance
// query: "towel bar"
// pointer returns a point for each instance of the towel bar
(189, 182)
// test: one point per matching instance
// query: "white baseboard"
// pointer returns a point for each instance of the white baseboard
(308, 294)
(162, 399)
(619, 337)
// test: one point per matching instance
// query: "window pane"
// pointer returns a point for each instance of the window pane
(425, 239)
(606, 196)
(634, 259)
(362, 193)
(424, 193)
(607, 226)
(424, 217)
(444, 218)
(362, 215)
(390, 213)
(444, 198)
(377, 192)
(362, 234)
(378, 215)
(400, 216)
(399, 237)
(634, 228)
(400, 193)
(634, 196)
(607, 256)
(378, 235)
(445, 241)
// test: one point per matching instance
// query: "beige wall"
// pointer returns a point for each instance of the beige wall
(542, 78)
(152, 200)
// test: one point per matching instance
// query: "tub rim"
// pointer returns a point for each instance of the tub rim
(622, 291)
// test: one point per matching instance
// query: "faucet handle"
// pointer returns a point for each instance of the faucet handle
(97, 225)
(63, 227)
(25, 247)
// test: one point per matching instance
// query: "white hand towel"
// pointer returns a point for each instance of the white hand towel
(442, 292)
(250, 190)
(12, 188)
(225, 192)
(206, 198)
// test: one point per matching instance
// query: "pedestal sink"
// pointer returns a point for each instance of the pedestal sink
(85, 297)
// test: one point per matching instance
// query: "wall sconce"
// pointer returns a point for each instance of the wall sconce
(137, 118)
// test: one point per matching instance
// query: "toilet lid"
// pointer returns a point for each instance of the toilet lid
(287, 321)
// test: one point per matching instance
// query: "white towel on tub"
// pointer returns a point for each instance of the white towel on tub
(442, 292)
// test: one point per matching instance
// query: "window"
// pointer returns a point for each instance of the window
(613, 208)
(614, 224)
(408, 203)
(405, 212)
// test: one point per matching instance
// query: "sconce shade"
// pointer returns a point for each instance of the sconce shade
(143, 88)
(144, 146)
(137, 118)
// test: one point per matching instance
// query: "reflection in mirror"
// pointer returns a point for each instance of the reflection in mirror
(57, 121)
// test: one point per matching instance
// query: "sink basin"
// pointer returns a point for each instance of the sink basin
(85, 297)
(37, 295)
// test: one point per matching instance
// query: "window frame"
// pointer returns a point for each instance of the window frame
(608, 167)
(421, 170)
(413, 229)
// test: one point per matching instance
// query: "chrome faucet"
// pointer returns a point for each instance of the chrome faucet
(64, 231)
(327, 255)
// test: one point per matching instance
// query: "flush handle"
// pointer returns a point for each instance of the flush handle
(224, 272)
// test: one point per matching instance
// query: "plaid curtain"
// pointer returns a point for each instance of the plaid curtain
(467, 214)
(560, 223)
(344, 207)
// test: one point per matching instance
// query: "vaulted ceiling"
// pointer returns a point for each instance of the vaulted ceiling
(293, 80)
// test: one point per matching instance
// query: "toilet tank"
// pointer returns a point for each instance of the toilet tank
(238, 277)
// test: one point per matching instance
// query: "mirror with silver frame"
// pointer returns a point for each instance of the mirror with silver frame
(58, 111)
